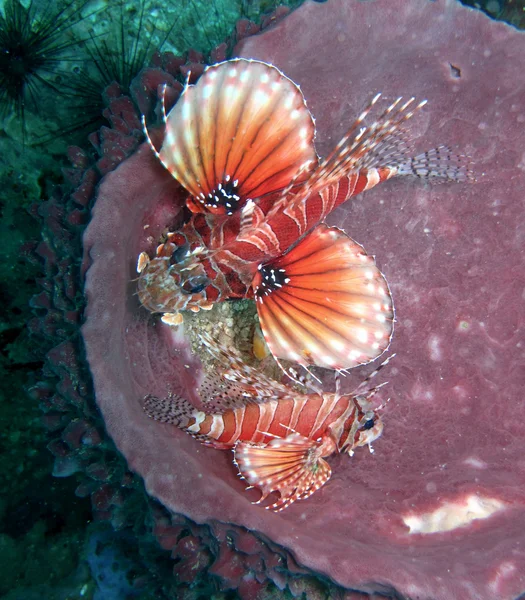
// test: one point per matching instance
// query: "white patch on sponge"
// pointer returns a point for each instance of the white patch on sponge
(453, 515)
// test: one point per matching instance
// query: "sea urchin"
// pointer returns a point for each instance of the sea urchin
(33, 43)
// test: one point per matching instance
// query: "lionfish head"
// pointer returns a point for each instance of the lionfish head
(172, 282)
(370, 426)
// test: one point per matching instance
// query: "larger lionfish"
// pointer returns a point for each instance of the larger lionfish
(279, 437)
(241, 142)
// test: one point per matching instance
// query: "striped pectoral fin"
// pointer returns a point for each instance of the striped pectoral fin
(325, 302)
(242, 131)
(291, 466)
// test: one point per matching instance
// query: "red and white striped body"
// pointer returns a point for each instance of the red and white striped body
(278, 436)
(241, 142)
(313, 416)
(228, 257)
(279, 444)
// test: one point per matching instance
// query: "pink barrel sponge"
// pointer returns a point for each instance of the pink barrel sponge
(439, 511)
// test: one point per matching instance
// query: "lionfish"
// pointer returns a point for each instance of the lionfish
(279, 437)
(241, 142)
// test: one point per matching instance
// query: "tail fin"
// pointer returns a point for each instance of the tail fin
(173, 409)
(439, 163)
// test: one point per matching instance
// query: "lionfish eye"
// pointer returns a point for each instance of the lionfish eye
(196, 284)
(369, 424)
(179, 254)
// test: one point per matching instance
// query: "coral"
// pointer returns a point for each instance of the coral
(510, 11)
(453, 424)
(32, 563)
(112, 566)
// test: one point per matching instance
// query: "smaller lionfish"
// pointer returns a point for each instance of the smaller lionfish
(279, 437)
(241, 142)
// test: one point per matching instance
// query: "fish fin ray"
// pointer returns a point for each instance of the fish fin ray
(241, 132)
(362, 147)
(291, 466)
(324, 303)
(219, 394)
(365, 146)
(441, 164)
(236, 383)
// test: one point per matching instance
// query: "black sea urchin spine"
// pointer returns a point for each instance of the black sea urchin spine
(34, 42)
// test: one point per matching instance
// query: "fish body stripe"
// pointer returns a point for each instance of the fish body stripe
(217, 427)
(266, 421)
(231, 256)
(311, 416)
(199, 418)
(326, 409)
(293, 216)
(238, 416)
(348, 433)
(297, 408)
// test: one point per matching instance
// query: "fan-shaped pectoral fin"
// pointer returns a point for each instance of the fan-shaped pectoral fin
(325, 302)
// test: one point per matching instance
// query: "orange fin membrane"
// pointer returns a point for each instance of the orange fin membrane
(324, 303)
(291, 466)
(242, 131)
